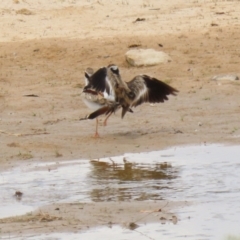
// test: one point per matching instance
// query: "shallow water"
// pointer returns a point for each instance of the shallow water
(206, 175)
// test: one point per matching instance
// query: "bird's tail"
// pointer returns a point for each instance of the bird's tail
(104, 110)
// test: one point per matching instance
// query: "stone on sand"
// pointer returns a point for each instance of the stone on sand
(146, 57)
(226, 77)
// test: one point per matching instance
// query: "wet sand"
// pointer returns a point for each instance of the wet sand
(74, 217)
(45, 50)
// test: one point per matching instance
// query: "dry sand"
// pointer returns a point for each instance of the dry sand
(45, 48)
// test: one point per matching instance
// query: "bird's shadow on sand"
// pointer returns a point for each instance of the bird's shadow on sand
(137, 133)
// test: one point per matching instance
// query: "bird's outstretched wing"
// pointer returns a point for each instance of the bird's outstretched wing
(97, 81)
(148, 89)
(103, 81)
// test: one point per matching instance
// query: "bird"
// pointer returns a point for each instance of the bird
(125, 95)
(93, 99)
(100, 97)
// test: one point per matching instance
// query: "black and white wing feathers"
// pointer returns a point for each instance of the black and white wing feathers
(97, 81)
(148, 89)
(104, 81)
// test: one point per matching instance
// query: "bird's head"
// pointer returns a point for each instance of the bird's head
(114, 68)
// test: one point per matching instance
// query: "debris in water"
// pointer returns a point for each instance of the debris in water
(18, 195)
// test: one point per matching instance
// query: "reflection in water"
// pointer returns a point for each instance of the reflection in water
(206, 175)
(120, 181)
(83, 181)
(131, 171)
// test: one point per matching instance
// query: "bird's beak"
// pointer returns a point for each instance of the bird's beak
(124, 110)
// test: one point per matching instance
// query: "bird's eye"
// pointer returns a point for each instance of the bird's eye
(131, 95)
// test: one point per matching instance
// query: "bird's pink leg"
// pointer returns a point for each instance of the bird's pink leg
(96, 132)
(105, 121)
